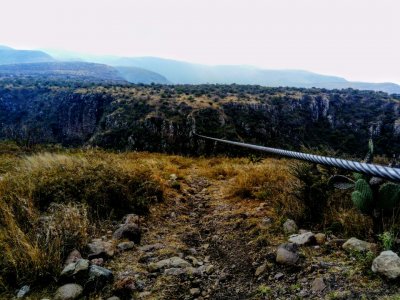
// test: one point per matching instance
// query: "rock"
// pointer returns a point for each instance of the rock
(98, 278)
(209, 269)
(287, 254)
(73, 256)
(68, 291)
(128, 231)
(302, 239)
(174, 271)
(97, 261)
(279, 276)
(125, 286)
(152, 247)
(354, 244)
(132, 219)
(75, 271)
(318, 285)
(23, 291)
(261, 269)
(193, 260)
(320, 238)
(173, 262)
(124, 246)
(387, 264)
(101, 249)
(195, 291)
(290, 227)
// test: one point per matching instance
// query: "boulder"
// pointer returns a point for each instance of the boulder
(286, 254)
(387, 264)
(98, 278)
(173, 262)
(128, 231)
(101, 249)
(354, 244)
(75, 271)
(290, 227)
(68, 291)
(307, 238)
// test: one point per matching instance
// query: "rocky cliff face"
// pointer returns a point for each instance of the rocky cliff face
(164, 118)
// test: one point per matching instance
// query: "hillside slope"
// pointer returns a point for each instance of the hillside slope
(164, 118)
(12, 56)
(62, 71)
(139, 75)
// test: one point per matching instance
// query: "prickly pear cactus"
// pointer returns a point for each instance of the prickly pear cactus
(362, 197)
(389, 196)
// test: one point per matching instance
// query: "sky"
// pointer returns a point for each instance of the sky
(355, 39)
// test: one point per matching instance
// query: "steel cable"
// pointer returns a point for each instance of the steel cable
(389, 173)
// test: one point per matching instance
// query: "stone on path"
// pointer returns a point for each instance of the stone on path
(302, 239)
(173, 262)
(290, 227)
(286, 254)
(387, 264)
(354, 244)
(318, 285)
(68, 291)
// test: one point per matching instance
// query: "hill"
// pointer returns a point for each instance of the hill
(164, 118)
(63, 71)
(12, 56)
(139, 75)
(179, 72)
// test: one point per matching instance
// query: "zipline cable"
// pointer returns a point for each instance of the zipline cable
(389, 173)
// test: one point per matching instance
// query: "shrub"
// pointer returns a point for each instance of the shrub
(49, 201)
(313, 189)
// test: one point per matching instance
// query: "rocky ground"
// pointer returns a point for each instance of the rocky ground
(203, 244)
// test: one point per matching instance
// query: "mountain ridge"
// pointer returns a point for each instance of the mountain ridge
(150, 69)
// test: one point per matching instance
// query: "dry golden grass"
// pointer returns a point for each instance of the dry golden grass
(48, 203)
(271, 182)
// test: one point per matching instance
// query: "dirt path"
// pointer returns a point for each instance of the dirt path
(202, 244)
(202, 227)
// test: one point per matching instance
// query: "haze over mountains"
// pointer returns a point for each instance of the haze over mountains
(165, 71)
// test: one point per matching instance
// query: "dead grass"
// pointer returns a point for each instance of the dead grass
(49, 202)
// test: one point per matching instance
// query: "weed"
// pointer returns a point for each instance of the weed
(387, 240)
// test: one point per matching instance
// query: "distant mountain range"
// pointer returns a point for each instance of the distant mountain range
(165, 71)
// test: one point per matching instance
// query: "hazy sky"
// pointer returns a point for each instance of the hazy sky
(356, 39)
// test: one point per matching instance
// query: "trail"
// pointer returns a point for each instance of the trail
(201, 226)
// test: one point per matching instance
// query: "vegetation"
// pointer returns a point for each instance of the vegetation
(163, 118)
(50, 204)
